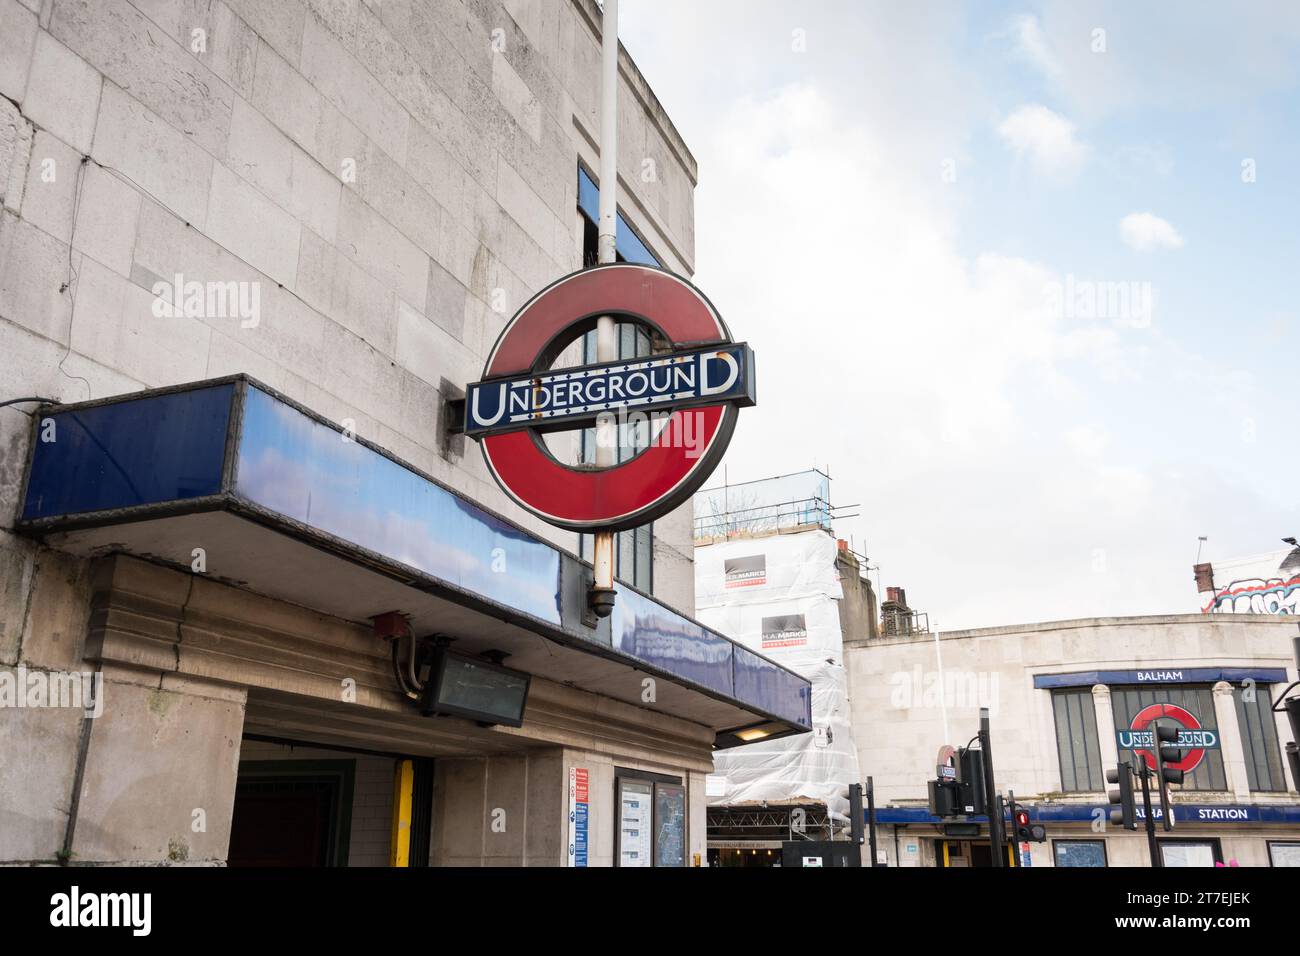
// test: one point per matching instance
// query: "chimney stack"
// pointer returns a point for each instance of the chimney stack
(1205, 584)
(896, 617)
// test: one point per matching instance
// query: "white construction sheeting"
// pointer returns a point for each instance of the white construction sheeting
(779, 595)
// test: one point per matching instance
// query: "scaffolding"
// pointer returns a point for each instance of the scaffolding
(775, 822)
(766, 506)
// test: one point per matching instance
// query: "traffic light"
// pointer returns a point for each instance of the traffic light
(1124, 813)
(1027, 832)
(1166, 734)
(856, 816)
(1022, 825)
(945, 798)
(971, 794)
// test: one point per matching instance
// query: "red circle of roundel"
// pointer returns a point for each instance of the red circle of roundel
(1185, 717)
(663, 475)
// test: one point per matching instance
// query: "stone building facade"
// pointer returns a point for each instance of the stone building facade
(1060, 695)
(339, 202)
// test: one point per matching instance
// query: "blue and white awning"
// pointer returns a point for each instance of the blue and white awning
(295, 507)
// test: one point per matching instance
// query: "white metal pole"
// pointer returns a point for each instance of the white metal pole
(606, 343)
(943, 687)
(608, 134)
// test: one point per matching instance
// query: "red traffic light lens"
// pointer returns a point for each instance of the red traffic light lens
(1022, 818)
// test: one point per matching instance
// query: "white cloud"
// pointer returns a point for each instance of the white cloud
(1143, 231)
(899, 343)
(1048, 139)
(1033, 46)
(905, 361)
(1087, 441)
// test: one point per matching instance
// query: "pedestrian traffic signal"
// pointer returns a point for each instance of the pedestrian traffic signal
(1124, 811)
(1022, 825)
(1165, 735)
(1027, 832)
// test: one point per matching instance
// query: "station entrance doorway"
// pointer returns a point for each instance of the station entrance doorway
(950, 852)
(301, 804)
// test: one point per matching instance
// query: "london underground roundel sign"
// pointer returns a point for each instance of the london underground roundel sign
(1193, 739)
(687, 397)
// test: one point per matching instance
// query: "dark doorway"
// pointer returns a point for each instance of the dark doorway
(292, 813)
(966, 853)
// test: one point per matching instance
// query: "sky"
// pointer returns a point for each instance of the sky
(1021, 277)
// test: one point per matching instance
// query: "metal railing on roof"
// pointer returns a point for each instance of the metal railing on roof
(765, 506)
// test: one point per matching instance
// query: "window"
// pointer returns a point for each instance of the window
(1259, 737)
(1079, 852)
(627, 243)
(633, 549)
(1283, 854)
(1076, 740)
(1198, 700)
(651, 819)
(1184, 853)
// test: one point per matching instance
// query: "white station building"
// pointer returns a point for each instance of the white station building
(1063, 697)
(250, 254)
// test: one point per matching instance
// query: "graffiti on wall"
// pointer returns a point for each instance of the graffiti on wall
(1271, 587)
(1258, 596)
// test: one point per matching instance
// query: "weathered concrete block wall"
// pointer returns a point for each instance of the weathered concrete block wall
(511, 810)
(603, 809)
(387, 181)
(504, 810)
(191, 665)
(180, 738)
(391, 179)
(859, 617)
